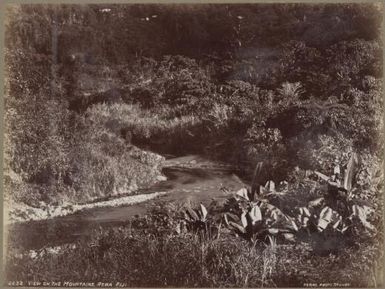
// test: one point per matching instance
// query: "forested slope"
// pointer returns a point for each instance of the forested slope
(292, 85)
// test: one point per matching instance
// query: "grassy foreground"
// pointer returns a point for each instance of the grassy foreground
(141, 259)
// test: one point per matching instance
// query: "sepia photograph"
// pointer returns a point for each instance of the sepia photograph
(193, 145)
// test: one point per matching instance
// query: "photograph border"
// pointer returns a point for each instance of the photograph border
(5, 3)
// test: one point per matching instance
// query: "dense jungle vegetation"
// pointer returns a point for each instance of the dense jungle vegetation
(298, 87)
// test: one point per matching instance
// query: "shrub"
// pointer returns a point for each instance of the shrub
(103, 164)
(37, 143)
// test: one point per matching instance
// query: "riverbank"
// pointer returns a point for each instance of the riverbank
(23, 213)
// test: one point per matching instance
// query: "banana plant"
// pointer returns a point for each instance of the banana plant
(251, 216)
(200, 221)
(242, 200)
(198, 216)
(257, 185)
(250, 225)
(197, 219)
(342, 190)
(244, 194)
(278, 222)
(335, 186)
(361, 213)
(329, 218)
(260, 221)
(269, 188)
(314, 220)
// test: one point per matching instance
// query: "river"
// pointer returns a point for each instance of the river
(190, 179)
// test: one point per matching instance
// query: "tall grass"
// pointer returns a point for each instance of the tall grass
(139, 121)
(154, 131)
(148, 261)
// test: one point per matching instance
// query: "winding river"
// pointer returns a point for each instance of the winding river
(189, 179)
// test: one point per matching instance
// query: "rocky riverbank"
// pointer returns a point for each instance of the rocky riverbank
(17, 212)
